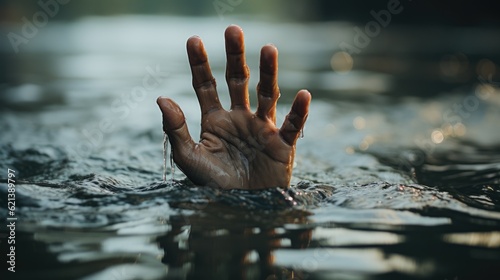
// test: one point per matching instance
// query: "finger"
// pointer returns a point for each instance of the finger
(203, 81)
(174, 124)
(267, 89)
(237, 73)
(295, 120)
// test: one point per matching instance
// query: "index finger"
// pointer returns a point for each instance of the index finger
(203, 81)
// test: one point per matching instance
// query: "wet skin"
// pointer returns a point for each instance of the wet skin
(238, 149)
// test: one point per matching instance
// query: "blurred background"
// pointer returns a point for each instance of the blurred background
(423, 48)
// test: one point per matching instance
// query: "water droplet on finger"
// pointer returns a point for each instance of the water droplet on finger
(172, 164)
(165, 149)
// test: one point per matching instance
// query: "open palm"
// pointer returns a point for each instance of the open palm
(238, 149)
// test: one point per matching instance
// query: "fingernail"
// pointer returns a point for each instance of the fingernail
(158, 100)
(164, 103)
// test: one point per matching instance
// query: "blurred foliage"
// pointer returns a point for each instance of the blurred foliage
(422, 12)
(13, 10)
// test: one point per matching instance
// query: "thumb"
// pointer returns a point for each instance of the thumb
(174, 124)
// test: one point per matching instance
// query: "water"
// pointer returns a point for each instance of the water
(383, 188)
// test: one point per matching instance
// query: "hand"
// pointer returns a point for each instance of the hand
(238, 149)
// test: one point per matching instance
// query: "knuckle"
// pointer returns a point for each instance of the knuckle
(237, 79)
(268, 90)
(205, 85)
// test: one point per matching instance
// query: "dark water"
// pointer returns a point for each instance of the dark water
(385, 186)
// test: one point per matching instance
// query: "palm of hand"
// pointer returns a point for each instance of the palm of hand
(245, 150)
(238, 148)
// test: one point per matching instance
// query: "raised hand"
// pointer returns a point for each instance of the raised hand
(238, 149)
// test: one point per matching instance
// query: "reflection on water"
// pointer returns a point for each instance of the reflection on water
(231, 245)
(386, 185)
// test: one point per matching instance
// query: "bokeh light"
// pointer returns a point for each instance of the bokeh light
(359, 123)
(341, 62)
(437, 136)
